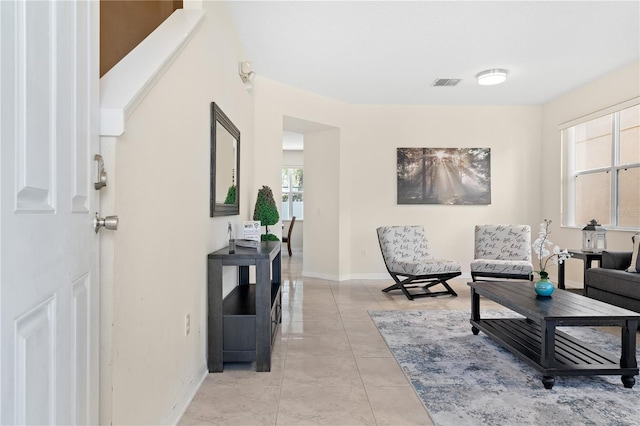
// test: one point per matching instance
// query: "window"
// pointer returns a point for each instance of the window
(292, 193)
(602, 170)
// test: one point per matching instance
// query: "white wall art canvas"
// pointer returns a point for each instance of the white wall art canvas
(452, 176)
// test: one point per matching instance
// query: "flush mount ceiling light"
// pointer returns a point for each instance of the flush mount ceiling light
(491, 77)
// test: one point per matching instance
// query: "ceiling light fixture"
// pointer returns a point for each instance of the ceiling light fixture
(491, 77)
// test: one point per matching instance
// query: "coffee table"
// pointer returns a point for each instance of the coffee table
(535, 340)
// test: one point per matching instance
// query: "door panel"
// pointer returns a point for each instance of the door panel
(33, 102)
(35, 355)
(48, 249)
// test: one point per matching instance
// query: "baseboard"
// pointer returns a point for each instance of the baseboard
(567, 283)
(181, 405)
(329, 277)
(365, 277)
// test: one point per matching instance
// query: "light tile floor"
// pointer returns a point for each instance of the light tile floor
(330, 366)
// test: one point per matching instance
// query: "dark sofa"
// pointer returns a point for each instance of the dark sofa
(612, 284)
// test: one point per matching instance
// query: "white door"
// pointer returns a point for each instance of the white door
(48, 270)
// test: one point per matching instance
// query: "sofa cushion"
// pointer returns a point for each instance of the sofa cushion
(614, 281)
(616, 259)
(635, 258)
(424, 266)
(518, 267)
(614, 299)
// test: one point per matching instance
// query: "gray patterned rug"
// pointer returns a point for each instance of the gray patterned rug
(464, 379)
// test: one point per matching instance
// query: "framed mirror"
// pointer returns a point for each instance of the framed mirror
(225, 165)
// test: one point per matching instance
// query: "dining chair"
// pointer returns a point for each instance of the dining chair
(287, 239)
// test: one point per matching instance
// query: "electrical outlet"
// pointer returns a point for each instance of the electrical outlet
(187, 324)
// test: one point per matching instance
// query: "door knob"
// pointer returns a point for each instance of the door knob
(109, 222)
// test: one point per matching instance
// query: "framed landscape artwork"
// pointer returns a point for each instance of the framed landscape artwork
(453, 176)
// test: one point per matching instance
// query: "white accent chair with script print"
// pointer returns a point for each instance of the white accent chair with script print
(404, 250)
(502, 251)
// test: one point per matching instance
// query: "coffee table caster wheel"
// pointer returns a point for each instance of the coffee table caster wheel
(548, 381)
(475, 330)
(628, 381)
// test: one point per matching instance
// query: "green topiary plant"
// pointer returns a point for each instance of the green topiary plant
(266, 212)
(231, 195)
(269, 237)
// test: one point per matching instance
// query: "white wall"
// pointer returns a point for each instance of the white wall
(321, 211)
(609, 90)
(364, 162)
(292, 158)
(161, 194)
(512, 133)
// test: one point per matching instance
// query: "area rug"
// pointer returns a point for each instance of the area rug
(464, 379)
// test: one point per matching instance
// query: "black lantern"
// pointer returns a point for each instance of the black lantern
(594, 237)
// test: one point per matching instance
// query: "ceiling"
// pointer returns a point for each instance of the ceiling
(390, 52)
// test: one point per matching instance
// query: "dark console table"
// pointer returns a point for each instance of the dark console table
(535, 340)
(242, 325)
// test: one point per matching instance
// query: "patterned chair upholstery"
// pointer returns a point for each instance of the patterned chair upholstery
(405, 254)
(502, 251)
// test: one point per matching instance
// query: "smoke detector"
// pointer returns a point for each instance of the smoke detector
(246, 74)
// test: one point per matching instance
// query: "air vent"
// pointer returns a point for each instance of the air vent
(446, 82)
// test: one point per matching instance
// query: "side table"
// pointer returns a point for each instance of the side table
(587, 258)
(256, 307)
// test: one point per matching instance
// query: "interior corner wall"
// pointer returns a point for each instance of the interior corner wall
(321, 223)
(609, 90)
(366, 169)
(274, 101)
(161, 195)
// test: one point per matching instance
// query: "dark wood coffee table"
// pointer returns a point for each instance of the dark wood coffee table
(535, 339)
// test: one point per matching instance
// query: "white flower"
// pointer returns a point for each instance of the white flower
(540, 247)
(560, 255)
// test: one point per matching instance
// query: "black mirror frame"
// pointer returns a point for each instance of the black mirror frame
(220, 209)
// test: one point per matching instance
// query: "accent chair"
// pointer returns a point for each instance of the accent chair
(406, 257)
(503, 252)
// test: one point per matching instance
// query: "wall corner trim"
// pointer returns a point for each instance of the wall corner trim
(126, 84)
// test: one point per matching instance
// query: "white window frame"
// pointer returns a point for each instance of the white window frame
(291, 192)
(569, 172)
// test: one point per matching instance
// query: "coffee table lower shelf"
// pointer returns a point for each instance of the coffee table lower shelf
(573, 357)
